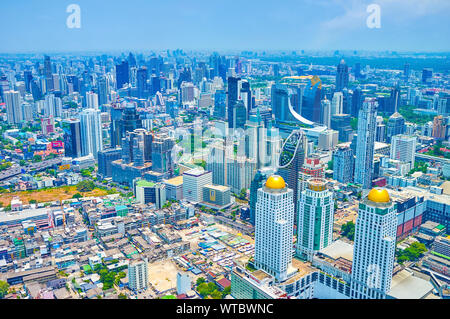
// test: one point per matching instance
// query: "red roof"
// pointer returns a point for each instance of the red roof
(224, 282)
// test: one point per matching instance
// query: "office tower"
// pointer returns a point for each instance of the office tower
(326, 112)
(291, 159)
(103, 91)
(91, 100)
(240, 172)
(232, 98)
(343, 164)
(14, 113)
(357, 70)
(122, 74)
(403, 148)
(394, 99)
(239, 115)
(193, 182)
(380, 135)
(374, 247)
(161, 155)
(395, 126)
(443, 106)
(427, 75)
(137, 147)
(91, 132)
(187, 92)
(327, 140)
(72, 138)
(341, 123)
(48, 73)
(138, 275)
(357, 101)
(141, 82)
(257, 182)
(310, 107)
(274, 228)
(105, 158)
(52, 106)
(406, 71)
(129, 121)
(245, 94)
(255, 140)
(27, 111)
(149, 192)
(341, 76)
(28, 77)
(36, 90)
(216, 161)
(365, 143)
(315, 218)
(220, 104)
(337, 103)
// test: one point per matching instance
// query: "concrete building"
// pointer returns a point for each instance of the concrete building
(193, 182)
(138, 275)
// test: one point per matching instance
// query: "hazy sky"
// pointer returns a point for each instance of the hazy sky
(406, 25)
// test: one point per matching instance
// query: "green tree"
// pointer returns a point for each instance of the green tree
(4, 287)
(77, 196)
(85, 186)
(122, 296)
(348, 230)
(200, 280)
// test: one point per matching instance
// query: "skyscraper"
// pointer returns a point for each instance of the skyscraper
(395, 126)
(291, 160)
(337, 103)
(403, 148)
(374, 248)
(141, 82)
(91, 132)
(343, 164)
(232, 98)
(72, 138)
(366, 143)
(274, 228)
(14, 113)
(48, 73)
(315, 218)
(122, 74)
(341, 76)
(257, 182)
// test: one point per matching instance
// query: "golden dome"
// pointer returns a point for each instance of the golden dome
(275, 182)
(379, 195)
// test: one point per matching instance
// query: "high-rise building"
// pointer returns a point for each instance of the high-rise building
(232, 98)
(91, 132)
(91, 100)
(403, 148)
(220, 104)
(141, 82)
(341, 76)
(343, 164)
(337, 103)
(193, 182)
(274, 228)
(138, 275)
(14, 113)
(48, 73)
(105, 159)
(291, 160)
(395, 126)
(357, 101)
(149, 192)
(257, 182)
(310, 106)
(312, 168)
(52, 106)
(365, 143)
(315, 218)
(439, 128)
(72, 138)
(374, 248)
(326, 112)
(122, 74)
(161, 155)
(427, 75)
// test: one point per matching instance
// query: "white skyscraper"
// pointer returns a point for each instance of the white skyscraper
(274, 224)
(91, 100)
(315, 218)
(403, 148)
(326, 112)
(365, 143)
(52, 106)
(91, 132)
(13, 107)
(374, 248)
(337, 103)
(138, 275)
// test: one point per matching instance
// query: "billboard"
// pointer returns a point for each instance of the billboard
(57, 144)
(64, 167)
